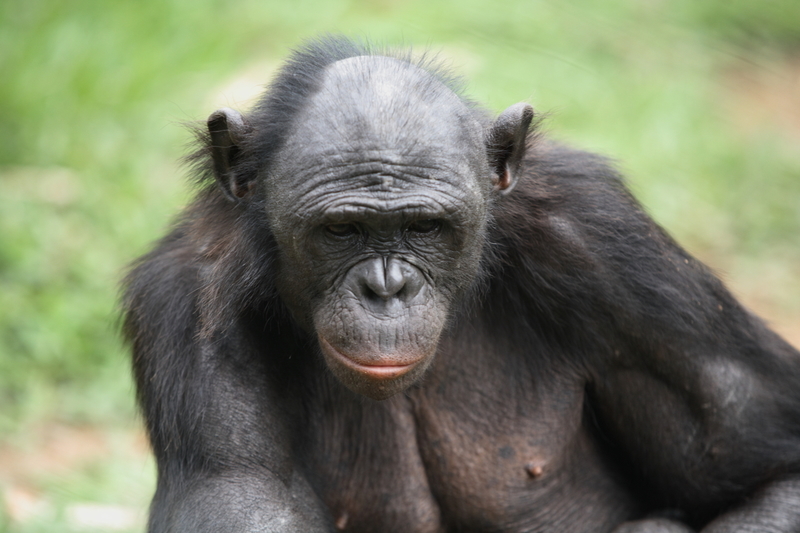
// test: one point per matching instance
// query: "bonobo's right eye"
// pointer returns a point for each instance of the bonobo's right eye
(341, 230)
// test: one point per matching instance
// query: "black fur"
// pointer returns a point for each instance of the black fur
(593, 376)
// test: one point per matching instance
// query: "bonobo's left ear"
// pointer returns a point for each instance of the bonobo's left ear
(227, 129)
(506, 145)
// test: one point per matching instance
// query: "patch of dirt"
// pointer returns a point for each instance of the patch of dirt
(769, 286)
(761, 96)
(766, 95)
(786, 324)
(57, 449)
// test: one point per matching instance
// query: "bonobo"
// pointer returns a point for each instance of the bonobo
(388, 311)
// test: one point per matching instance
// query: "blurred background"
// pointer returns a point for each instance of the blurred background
(698, 101)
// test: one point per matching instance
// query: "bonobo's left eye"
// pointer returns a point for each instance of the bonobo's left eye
(425, 226)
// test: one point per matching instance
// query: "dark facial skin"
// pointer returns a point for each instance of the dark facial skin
(384, 226)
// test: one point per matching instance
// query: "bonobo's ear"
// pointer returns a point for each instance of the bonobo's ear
(227, 129)
(506, 145)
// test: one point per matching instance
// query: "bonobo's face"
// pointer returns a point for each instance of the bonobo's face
(378, 203)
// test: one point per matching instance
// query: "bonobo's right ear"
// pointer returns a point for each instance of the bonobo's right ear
(227, 129)
(506, 145)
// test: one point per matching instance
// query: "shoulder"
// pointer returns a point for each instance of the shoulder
(557, 178)
(159, 287)
(215, 264)
(547, 157)
(162, 286)
(565, 202)
(579, 202)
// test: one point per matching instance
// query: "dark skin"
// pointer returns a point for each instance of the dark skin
(387, 311)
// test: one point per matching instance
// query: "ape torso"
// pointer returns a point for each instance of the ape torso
(391, 313)
(567, 395)
(514, 428)
(455, 454)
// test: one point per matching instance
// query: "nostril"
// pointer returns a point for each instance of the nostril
(370, 294)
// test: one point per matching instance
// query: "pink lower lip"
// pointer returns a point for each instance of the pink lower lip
(377, 371)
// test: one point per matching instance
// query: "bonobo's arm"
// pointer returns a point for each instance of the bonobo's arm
(693, 393)
(219, 427)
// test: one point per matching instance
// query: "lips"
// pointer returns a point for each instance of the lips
(387, 368)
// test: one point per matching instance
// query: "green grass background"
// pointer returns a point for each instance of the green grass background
(694, 99)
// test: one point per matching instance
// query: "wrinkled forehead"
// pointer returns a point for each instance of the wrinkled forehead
(381, 103)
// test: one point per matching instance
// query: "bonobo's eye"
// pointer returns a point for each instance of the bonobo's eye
(425, 226)
(341, 230)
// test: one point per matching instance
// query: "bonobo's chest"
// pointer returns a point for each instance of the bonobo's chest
(490, 441)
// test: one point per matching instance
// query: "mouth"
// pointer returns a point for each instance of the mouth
(385, 369)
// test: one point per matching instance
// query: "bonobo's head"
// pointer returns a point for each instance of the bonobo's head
(378, 198)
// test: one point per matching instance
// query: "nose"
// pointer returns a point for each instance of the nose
(386, 278)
